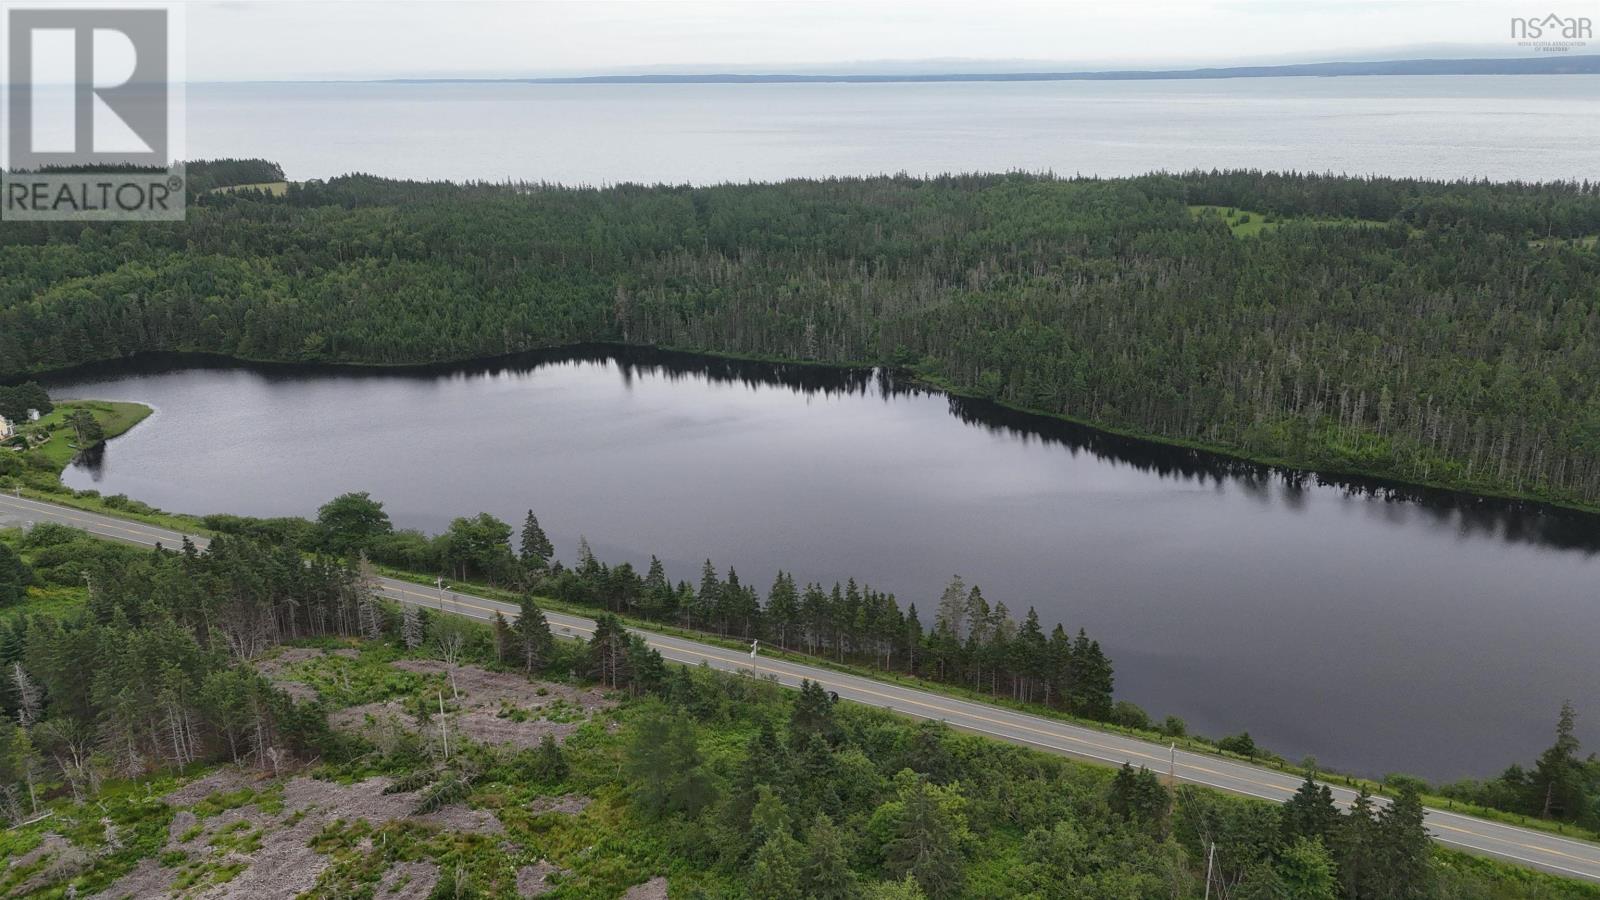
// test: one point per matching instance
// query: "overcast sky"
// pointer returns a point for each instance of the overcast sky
(309, 40)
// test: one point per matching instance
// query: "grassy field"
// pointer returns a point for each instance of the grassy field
(275, 188)
(115, 417)
(1250, 223)
(1588, 243)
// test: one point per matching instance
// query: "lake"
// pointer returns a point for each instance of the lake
(1376, 628)
(1529, 127)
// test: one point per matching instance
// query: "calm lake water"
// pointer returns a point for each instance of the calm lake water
(1503, 127)
(1375, 629)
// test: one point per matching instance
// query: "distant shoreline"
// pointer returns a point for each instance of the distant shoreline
(1553, 64)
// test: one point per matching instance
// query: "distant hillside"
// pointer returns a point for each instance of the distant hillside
(1547, 65)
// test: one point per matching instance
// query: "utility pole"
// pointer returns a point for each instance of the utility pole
(439, 583)
(1172, 765)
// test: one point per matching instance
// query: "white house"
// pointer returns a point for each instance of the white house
(6, 431)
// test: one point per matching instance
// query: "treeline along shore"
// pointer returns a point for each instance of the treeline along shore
(1429, 332)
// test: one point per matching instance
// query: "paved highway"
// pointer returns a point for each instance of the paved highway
(1563, 856)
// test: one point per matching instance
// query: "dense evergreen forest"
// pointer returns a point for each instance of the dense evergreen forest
(1434, 332)
(965, 640)
(723, 786)
(968, 642)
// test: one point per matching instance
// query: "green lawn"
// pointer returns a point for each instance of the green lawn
(115, 417)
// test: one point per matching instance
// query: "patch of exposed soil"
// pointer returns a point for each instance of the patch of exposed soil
(485, 726)
(654, 889)
(535, 879)
(182, 821)
(298, 691)
(408, 881)
(458, 817)
(223, 780)
(148, 879)
(273, 667)
(487, 707)
(477, 684)
(567, 805)
(283, 659)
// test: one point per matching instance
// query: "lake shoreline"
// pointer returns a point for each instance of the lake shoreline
(1453, 495)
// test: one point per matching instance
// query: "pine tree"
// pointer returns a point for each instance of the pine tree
(1557, 780)
(656, 596)
(783, 609)
(1091, 679)
(812, 714)
(545, 764)
(763, 764)
(911, 638)
(15, 576)
(1405, 851)
(589, 568)
(927, 830)
(1357, 845)
(1030, 658)
(1310, 813)
(1139, 796)
(535, 549)
(663, 763)
(776, 872)
(707, 598)
(530, 635)
(1306, 871)
(952, 610)
(608, 652)
(827, 869)
(646, 671)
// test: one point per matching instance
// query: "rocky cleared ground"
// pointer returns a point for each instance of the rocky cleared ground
(237, 834)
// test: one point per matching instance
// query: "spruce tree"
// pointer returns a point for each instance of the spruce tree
(530, 636)
(777, 871)
(1405, 851)
(827, 868)
(1310, 813)
(608, 652)
(1357, 846)
(927, 830)
(1557, 778)
(812, 714)
(1139, 797)
(535, 550)
(15, 576)
(656, 594)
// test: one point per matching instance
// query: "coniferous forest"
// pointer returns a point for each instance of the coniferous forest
(1444, 333)
(256, 725)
